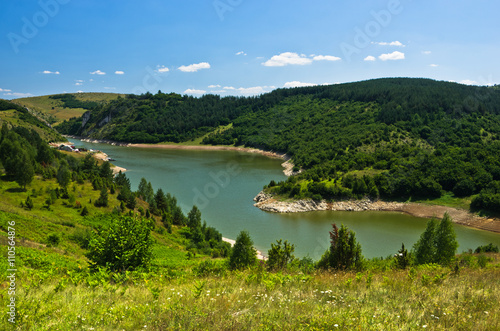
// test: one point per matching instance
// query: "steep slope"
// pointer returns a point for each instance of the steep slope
(60, 107)
(15, 115)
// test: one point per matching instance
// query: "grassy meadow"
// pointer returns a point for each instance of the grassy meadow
(53, 110)
(57, 290)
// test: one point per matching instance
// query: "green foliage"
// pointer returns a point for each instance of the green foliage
(437, 244)
(280, 255)
(53, 239)
(490, 248)
(28, 203)
(102, 201)
(63, 175)
(402, 258)
(125, 245)
(243, 254)
(194, 218)
(344, 252)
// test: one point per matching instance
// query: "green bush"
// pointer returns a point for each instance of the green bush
(125, 245)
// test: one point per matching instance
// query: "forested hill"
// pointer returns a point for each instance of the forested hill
(13, 115)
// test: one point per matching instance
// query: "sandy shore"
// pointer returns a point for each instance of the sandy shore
(104, 157)
(260, 256)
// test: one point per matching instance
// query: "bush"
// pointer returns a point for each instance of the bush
(490, 248)
(53, 240)
(280, 255)
(125, 245)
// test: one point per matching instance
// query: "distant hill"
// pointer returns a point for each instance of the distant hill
(18, 116)
(396, 137)
(60, 107)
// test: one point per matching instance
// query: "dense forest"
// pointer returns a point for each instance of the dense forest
(393, 138)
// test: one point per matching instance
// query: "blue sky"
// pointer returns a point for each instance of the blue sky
(240, 47)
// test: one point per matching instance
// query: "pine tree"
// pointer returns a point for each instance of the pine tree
(243, 254)
(194, 218)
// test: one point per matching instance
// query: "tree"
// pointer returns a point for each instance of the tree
(63, 175)
(438, 243)
(344, 252)
(402, 258)
(280, 255)
(446, 241)
(145, 190)
(243, 254)
(125, 245)
(25, 172)
(424, 249)
(194, 218)
(102, 201)
(160, 200)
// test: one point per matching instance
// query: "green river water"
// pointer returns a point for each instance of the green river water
(223, 183)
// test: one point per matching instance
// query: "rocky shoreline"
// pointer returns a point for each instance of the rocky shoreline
(267, 202)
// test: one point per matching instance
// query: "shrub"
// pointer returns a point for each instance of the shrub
(280, 255)
(490, 248)
(53, 239)
(125, 245)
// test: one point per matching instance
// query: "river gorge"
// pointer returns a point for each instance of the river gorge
(223, 185)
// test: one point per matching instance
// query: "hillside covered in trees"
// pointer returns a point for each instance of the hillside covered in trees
(394, 138)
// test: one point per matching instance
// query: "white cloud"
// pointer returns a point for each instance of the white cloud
(433, 65)
(193, 91)
(290, 58)
(392, 56)
(79, 91)
(228, 88)
(468, 82)
(241, 53)
(213, 86)
(162, 69)
(296, 83)
(255, 90)
(195, 67)
(370, 58)
(91, 80)
(18, 95)
(119, 72)
(287, 58)
(426, 52)
(5, 90)
(326, 58)
(392, 43)
(97, 72)
(48, 72)
(78, 84)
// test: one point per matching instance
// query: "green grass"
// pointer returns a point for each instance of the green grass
(449, 200)
(432, 298)
(52, 108)
(12, 117)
